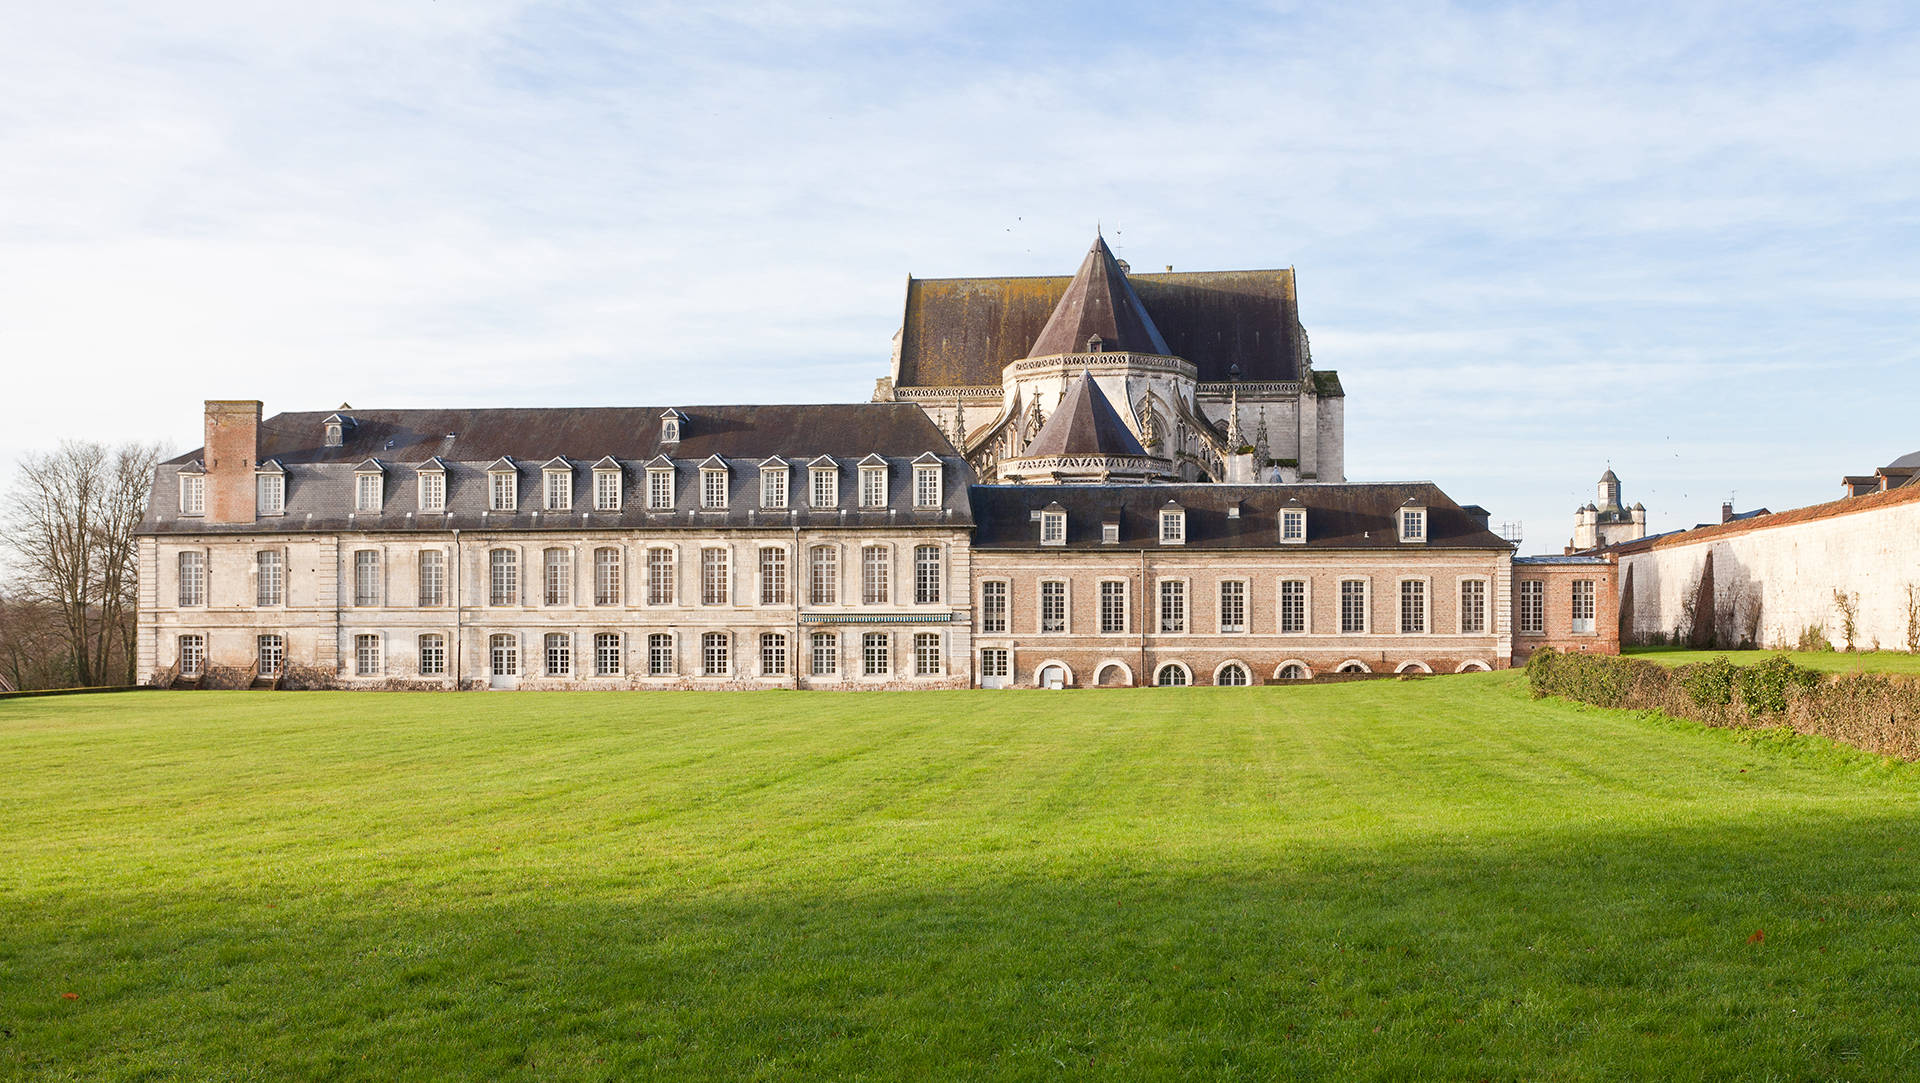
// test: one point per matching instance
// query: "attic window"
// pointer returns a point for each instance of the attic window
(559, 488)
(713, 488)
(1173, 526)
(193, 494)
(1096, 344)
(334, 432)
(926, 486)
(670, 426)
(1053, 527)
(270, 493)
(1293, 526)
(368, 489)
(1413, 524)
(873, 486)
(773, 485)
(502, 490)
(1110, 533)
(606, 488)
(432, 489)
(825, 487)
(660, 488)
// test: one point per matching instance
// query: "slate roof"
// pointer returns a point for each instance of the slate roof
(1099, 302)
(961, 332)
(320, 480)
(1338, 516)
(1085, 423)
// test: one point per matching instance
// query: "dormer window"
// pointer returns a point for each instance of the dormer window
(193, 490)
(773, 484)
(1293, 525)
(270, 489)
(927, 488)
(369, 487)
(1053, 525)
(503, 486)
(432, 486)
(1173, 525)
(1413, 522)
(557, 485)
(823, 484)
(606, 485)
(1110, 532)
(671, 423)
(334, 430)
(713, 484)
(873, 482)
(660, 486)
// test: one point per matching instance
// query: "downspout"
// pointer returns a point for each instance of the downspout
(1140, 616)
(793, 591)
(459, 604)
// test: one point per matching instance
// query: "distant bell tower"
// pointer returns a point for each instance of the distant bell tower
(1606, 522)
(1609, 492)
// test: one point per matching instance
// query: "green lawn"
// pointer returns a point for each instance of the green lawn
(1436, 879)
(1824, 661)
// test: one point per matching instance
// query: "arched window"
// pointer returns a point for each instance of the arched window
(1231, 675)
(1293, 671)
(1172, 675)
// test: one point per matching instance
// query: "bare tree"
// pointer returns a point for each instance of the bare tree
(69, 527)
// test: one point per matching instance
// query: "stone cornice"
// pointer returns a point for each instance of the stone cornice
(1101, 363)
(936, 395)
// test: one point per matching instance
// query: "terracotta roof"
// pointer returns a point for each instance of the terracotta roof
(1225, 516)
(1099, 304)
(1085, 423)
(961, 332)
(1846, 505)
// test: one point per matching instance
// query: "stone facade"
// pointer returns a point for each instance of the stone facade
(1606, 521)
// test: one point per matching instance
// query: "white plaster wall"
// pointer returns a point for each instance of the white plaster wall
(1791, 573)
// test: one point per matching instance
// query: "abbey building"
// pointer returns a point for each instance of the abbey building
(1104, 480)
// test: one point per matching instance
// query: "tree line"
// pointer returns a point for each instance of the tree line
(70, 586)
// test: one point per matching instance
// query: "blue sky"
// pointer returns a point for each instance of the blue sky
(1534, 240)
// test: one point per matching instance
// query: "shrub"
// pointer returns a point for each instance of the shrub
(1764, 688)
(1708, 684)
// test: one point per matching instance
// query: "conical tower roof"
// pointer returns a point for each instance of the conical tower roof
(1084, 424)
(1099, 301)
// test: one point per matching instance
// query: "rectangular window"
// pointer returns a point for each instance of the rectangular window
(1233, 606)
(713, 577)
(1533, 606)
(826, 484)
(270, 651)
(1113, 607)
(1353, 606)
(271, 493)
(660, 655)
(366, 577)
(606, 654)
(272, 587)
(503, 577)
(773, 654)
(1473, 606)
(1053, 528)
(1173, 605)
(193, 655)
(193, 494)
(927, 574)
(606, 575)
(876, 567)
(926, 654)
(823, 575)
(659, 577)
(502, 490)
(1413, 525)
(1413, 606)
(873, 486)
(993, 607)
(926, 486)
(715, 654)
(606, 490)
(773, 576)
(367, 493)
(1173, 528)
(713, 489)
(366, 656)
(660, 490)
(1583, 607)
(1109, 533)
(995, 662)
(1293, 606)
(1053, 606)
(559, 490)
(433, 577)
(433, 491)
(1293, 525)
(433, 656)
(557, 566)
(559, 654)
(773, 488)
(876, 654)
(825, 648)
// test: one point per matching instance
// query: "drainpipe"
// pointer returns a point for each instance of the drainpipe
(1140, 617)
(793, 591)
(459, 605)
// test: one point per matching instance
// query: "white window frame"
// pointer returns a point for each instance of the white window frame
(1280, 605)
(430, 490)
(1220, 606)
(922, 667)
(193, 494)
(716, 646)
(1293, 526)
(989, 604)
(1584, 625)
(609, 577)
(1185, 596)
(996, 662)
(503, 575)
(503, 490)
(716, 575)
(608, 489)
(1185, 671)
(557, 489)
(1109, 533)
(823, 647)
(1053, 528)
(775, 573)
(823, 574)
(369, 491)
(609, 660)
(556, 576)
(430, 571)
(880, 592)
(775, 658)
(662, 575)
(1366, 606)
(426, 646)
(823, 487)
(1173, 526)
(713, 488)
(1486, 605)
(270, 493)
(371, 591)
(774, 483)
(1412, 525)
(1425, 598)
(927, 488)
(1065, 596)
(873, 486)
(1125, 594)
(556, 645)
(1532, 594)
(270, 582)
(194, 588)
(369, 655)
(660, 486)
(660, 654)
(876, 663)
(192, 646)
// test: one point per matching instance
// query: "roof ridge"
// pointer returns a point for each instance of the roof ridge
(1099, 304)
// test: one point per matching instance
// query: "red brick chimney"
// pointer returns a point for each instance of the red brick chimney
(233, 450)
(1726, 513)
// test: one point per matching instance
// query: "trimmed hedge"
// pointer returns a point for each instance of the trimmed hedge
(1874, 711)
